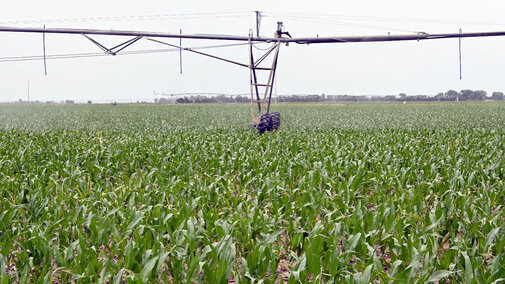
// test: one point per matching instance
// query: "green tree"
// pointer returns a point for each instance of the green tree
(497, 96)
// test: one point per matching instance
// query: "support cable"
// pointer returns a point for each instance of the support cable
(460, 69)
(96, 54)
(180, 53)
(198, 52)
(263, 49)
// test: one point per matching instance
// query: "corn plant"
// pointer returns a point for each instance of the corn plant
(351, 193)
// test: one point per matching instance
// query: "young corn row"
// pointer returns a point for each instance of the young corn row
(340, 193)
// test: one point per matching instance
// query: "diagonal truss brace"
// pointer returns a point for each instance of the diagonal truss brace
(199, 52)
(116, 49)
(258, 62)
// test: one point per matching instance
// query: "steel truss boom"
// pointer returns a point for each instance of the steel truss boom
(300, 40)
(380, 38)
(123, 33)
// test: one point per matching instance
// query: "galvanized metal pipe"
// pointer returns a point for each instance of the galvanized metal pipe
(300, 40)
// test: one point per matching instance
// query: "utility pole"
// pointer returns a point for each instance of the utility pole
(258, 23)
(28, 90)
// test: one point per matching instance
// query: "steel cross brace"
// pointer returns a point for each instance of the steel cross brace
(116, 49)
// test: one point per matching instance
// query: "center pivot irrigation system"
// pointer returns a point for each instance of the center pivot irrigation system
(261, 91)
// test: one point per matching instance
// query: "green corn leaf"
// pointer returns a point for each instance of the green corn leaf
(272, 237)
(365, 276)
(439, 275)
(491, 236)
(118, 277)
(353, 242)
(469, 276)
(148, 268)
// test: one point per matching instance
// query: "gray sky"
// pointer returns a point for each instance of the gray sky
(425, 67)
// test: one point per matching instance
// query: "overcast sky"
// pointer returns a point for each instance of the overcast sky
(425, 67)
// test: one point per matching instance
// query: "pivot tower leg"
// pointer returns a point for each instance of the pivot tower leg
(261, 92)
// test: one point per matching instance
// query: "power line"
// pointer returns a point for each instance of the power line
(332, 17)
(348, 24)
(237, 14)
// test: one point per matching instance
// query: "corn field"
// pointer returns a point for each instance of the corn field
(354, 193)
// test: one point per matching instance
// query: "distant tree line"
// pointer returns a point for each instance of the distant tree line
(451, 95)
(204, 99)
(36, 102)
